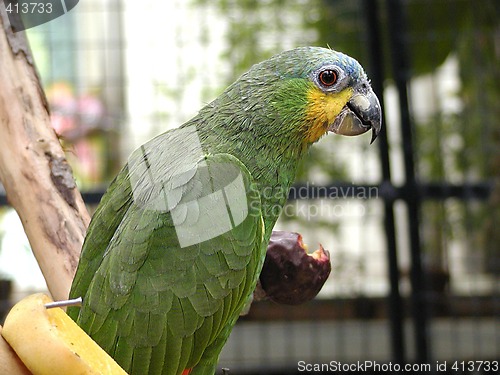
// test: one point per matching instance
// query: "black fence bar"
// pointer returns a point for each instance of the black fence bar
(385, 191)
(395, 303)
(401, 68)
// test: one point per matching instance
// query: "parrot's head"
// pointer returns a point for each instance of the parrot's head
(309, 91)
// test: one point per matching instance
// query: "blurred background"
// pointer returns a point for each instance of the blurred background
(411, 222)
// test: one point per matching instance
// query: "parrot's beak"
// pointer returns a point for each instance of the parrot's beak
(361, 113)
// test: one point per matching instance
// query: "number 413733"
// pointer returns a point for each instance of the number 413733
(487, 366)
(34, 7)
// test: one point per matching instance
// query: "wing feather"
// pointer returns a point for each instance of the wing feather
(178, 255)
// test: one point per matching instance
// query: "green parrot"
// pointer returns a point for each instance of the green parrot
(175, 248)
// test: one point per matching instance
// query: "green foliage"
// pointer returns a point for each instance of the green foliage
(463, 146)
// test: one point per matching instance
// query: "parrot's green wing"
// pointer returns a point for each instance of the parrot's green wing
(171, 257)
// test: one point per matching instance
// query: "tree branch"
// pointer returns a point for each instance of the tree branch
(33, 168)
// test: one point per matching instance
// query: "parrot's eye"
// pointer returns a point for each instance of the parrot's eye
(328, 77)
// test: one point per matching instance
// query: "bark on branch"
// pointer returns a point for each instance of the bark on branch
(33, 168)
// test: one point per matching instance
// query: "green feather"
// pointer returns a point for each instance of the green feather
(123, 352)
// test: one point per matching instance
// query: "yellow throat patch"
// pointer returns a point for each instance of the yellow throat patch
(322, 110)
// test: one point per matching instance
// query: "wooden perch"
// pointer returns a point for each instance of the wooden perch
(33, 168)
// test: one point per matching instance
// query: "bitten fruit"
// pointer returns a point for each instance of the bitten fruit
(290, 275)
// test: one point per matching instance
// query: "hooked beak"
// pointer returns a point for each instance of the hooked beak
(361, 113)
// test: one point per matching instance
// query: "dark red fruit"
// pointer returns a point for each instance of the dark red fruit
(290, 275)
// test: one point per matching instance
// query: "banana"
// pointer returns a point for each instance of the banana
(49, 342)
